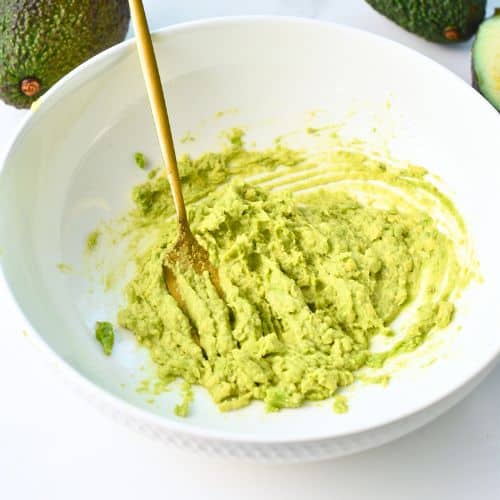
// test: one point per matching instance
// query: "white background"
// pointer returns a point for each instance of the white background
(54, 446)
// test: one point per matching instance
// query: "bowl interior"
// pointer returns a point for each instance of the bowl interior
(72, 166)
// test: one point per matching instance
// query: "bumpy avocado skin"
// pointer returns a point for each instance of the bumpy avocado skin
(42, 40)
(441, 21)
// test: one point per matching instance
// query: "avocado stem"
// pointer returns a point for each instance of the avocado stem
(451, 33)
(30, 87)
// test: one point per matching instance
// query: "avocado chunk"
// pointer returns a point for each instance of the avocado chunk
(43, 40)
(486, 60)
(441, 21)
(105, 335)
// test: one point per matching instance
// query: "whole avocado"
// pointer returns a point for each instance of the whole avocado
(442, 21)
(43, 40)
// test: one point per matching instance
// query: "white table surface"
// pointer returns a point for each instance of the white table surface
(54, 446)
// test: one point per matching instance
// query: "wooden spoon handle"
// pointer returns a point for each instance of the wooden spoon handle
(158, 104)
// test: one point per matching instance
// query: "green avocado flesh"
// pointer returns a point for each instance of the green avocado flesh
(317, 256)
(43, 40)
(105, 335)
(486, 60)
(442, 21)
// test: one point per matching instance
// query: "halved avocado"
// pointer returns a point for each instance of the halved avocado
(486, 60)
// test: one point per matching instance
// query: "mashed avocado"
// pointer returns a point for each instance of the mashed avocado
(92, 240)
(310, 277)
(340, 404)
(105, 335)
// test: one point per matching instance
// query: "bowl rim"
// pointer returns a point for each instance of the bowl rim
(90, 69)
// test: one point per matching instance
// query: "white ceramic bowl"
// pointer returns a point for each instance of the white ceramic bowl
(70, 166)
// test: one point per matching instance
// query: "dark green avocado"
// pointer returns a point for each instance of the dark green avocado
(442, 21)
(486, 60)
(42, 40)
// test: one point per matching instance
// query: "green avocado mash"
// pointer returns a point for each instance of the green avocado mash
(92, 240)
(340, 404)
(310, 276)
(140, 160)
(182, 409)
(105, 335)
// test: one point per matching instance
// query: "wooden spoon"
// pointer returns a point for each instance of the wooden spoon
(186, 252)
